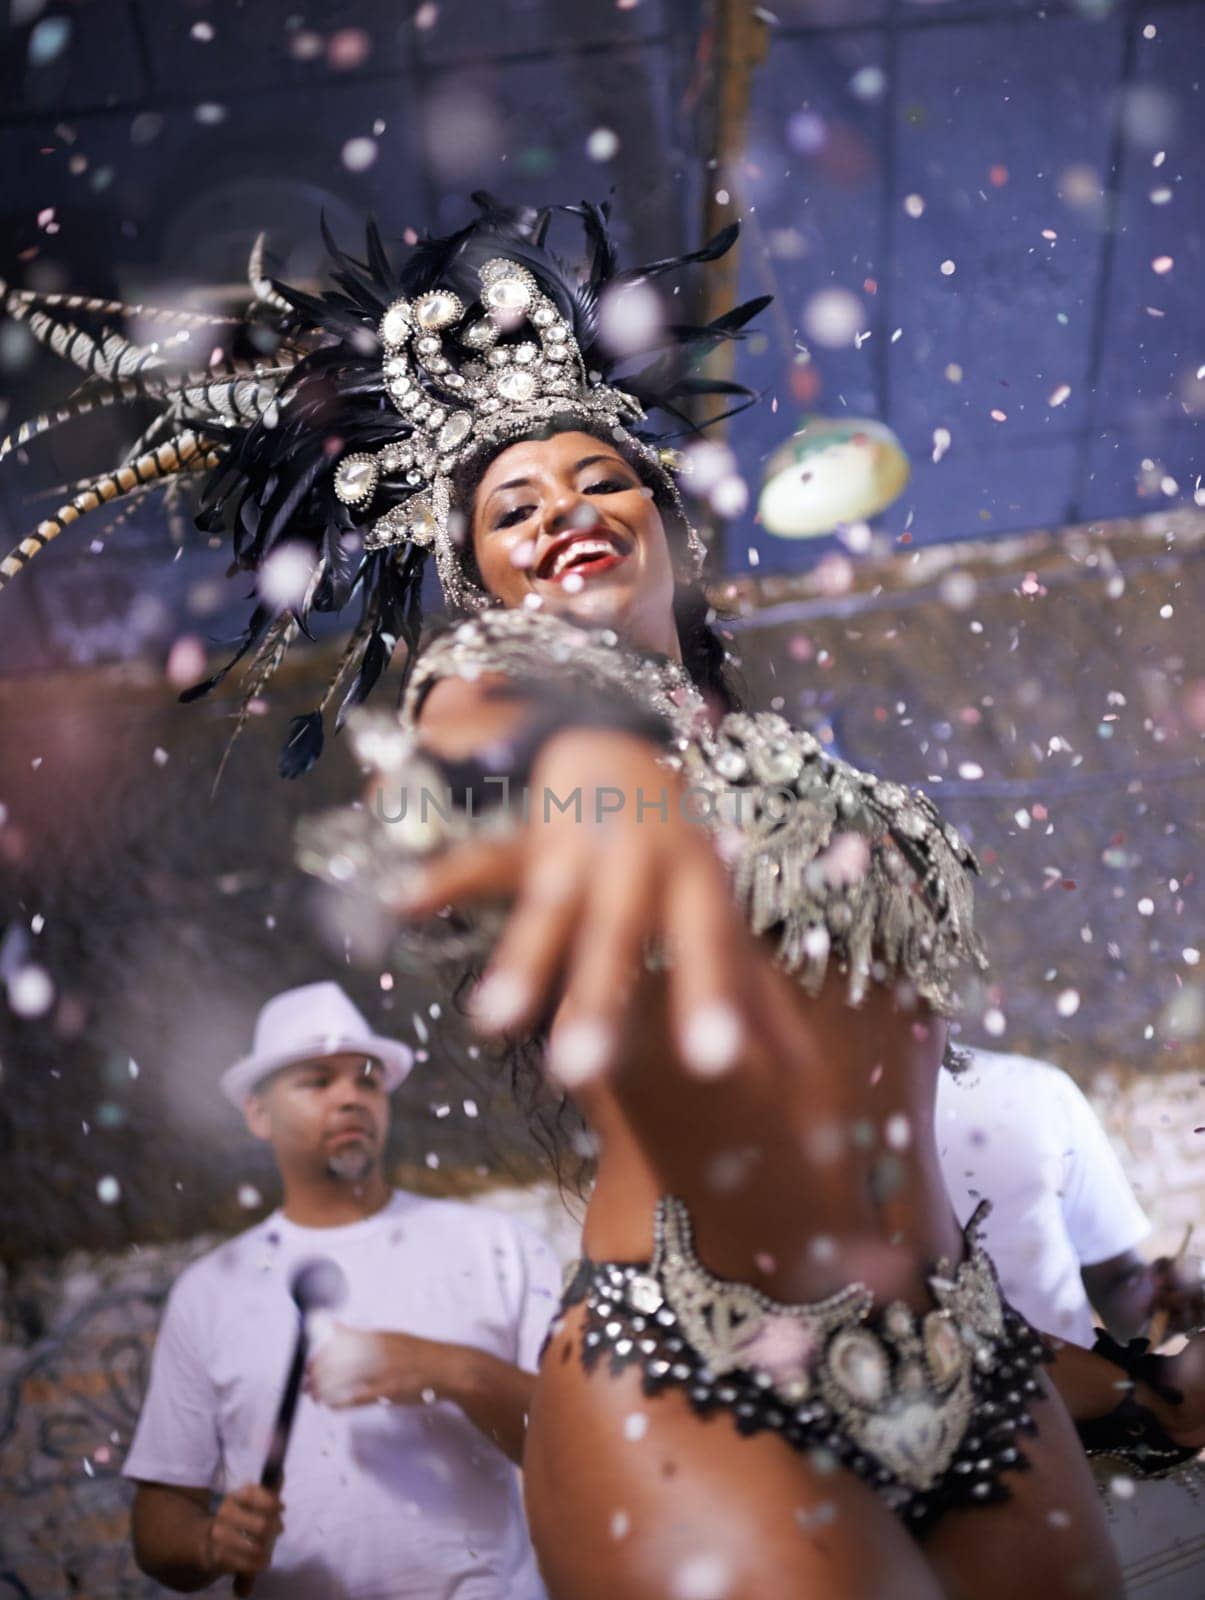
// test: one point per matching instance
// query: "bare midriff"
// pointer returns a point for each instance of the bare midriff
(801, 1176)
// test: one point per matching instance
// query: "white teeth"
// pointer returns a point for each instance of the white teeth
(578, 548)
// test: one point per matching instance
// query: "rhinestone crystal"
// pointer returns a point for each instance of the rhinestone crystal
(356, 479)
(644, 1293)
(395, 324)
(455, 430)
(439, 308)
(517, 385)
(508, 289)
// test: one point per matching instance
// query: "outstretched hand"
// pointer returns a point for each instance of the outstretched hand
(610, 865)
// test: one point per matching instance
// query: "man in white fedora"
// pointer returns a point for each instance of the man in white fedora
(399, 1476)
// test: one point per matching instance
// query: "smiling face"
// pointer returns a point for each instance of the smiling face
(328, 1117)
(569, 519)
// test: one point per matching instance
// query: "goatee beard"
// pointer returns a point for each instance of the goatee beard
(351, 1166)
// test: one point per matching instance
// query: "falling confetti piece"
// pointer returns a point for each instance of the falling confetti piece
(108, 1190)
(603, 145)
(1062, 393)
(635, 1426)
(947, 269)
(1146, 908)
(359, 154)
(897, 1131)
(702, 1577)
(1067, 1003)
(833, 318)
(349, 48)
(868, 83)
(1162, 264)
(994, 1022)
(970, 770)
(999, 416)
(914, 205)
(30, 992)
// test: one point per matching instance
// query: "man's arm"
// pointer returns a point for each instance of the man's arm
(494, 1395)
(356, 1368)
(1135, 1296)
(184, 1545)
(1122, 1291)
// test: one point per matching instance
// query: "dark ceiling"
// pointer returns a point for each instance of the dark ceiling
(1056, 151)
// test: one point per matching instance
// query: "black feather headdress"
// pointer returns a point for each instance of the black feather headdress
(340, 447)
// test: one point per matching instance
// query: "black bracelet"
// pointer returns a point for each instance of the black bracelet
(1131, 1431)
(490, 777)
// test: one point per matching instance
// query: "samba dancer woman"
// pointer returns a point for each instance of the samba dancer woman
(782, 1364)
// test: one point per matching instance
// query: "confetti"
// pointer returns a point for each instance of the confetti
(285, 575)
(948, 269)
(108, 1190)
(702, 1577)
(635, 1426)
(602, 145)
(348, 48)
(1067, 1003)
(914, 205)
(868, 83)
(30, 991)
(1162, 265)
(833, 318)
(629, 318)
(1059, 395)
(359, 154)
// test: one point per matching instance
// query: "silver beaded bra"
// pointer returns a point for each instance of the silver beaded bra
(831, 863)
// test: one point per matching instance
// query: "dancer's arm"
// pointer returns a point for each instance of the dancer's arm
(1092, 1387)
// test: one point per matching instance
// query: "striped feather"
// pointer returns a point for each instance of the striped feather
(261, 284)
(175, 455)
(114, 308)
(272, 651)
(238, 393)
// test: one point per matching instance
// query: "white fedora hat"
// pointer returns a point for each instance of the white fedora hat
(302, 1024)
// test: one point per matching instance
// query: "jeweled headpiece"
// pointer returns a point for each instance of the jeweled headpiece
(347, 440)
(465, 381)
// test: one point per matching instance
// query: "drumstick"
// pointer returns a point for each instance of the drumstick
(316, 1285)
(1159, 1321)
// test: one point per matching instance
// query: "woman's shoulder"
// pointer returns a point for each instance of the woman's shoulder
(543, 649)
(762, 747)
(832, 859)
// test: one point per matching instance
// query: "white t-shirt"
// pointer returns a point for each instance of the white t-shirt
(1019, 1133)
(381, 1502)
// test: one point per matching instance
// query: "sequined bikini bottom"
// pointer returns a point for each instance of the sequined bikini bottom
(925, 1406)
